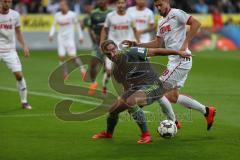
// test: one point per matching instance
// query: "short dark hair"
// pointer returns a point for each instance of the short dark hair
(106, 43)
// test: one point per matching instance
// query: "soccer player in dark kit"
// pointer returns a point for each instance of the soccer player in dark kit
(141, 84)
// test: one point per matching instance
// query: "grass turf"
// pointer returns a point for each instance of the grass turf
(38, 134)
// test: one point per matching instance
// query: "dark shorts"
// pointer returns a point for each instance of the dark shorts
(153, 91)
(97, 53)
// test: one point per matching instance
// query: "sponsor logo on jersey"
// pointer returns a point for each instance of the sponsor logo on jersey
(141, 21)
(6, 26)
(121, 27)
(165, 29)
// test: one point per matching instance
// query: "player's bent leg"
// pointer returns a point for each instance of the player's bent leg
(93, 68)
(79, 62)
(64, 67)
(172, 95)
(112, 119)
(208, 112)
(22, 88)
(139, 98)
(191, 103)
(167, 109)
(106, 77)
(93, 74)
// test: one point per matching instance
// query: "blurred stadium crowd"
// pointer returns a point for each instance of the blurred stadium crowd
(82, 6)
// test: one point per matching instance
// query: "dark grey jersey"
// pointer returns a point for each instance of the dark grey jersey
(133, 69)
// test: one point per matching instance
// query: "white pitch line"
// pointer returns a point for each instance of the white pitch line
(45, 95)
(50, 95)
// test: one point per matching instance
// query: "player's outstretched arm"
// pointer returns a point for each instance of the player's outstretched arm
(21, 41)
(194, 27)
(156, 43)
(165, 52)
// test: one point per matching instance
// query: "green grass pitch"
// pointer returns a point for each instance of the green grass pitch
(38, 134)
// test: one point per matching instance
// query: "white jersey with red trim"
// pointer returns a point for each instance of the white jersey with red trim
(66, 23)
(142, 20)
(172, 29)
(8, 23)
(120, 27)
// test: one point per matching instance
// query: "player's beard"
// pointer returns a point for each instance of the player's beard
(4, 8)
(121, 10)
(164, 14)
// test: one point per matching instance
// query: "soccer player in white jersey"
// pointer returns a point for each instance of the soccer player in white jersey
(9, 31)
(144, 20)
(172, 31)
(66, 20)
(119, 26)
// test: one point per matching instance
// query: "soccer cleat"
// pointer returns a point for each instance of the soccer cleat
(92, 89)
(26, 106)
(210, 115)
(178, 124)
(104, 91)
(145, 138)
(84, 75)
(102, 135)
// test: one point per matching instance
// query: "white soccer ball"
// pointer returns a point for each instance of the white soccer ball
(167, 129)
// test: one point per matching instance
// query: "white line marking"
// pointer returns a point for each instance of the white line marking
(45, 95)
(50, 96)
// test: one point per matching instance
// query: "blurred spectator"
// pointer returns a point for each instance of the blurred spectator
(130, 3)
(77, 7)
(198, 6)
(35, 6)
(21, 8)
(53, 7)
(44, 5)
(201, 7)
(217, 20)
(150, 4)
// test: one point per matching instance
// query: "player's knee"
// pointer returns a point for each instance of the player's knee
(109, 73)
(172, 98)
(113, 115)
(18, 76)
(130, 102)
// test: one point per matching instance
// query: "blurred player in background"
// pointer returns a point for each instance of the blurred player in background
(66, 20)
(119, 26)
(144, 20)
(141, 85)
(96, 23)
(172, 31)
(9, 31)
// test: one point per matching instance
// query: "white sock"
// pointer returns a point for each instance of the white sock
(80, 64)
(191, 103)
(22, 88)
(167, 108)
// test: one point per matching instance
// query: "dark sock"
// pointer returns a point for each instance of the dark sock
(207, 112)
(112, 121)
(139, 117)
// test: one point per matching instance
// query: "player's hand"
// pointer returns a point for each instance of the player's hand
(81, 41)
(26, 52)
(129, 43)
(184, 54)
(50, 38)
